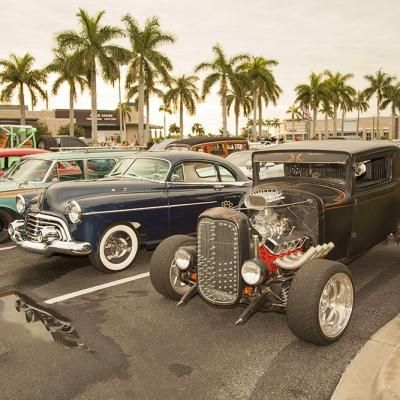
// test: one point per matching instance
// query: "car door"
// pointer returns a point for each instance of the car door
(193, 188)
(376, 200)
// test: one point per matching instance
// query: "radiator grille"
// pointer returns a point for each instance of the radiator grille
(218, 261)
(35, 222)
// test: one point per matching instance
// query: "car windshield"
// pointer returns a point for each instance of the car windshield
(327, 166)
(29, 170)
(143, 168)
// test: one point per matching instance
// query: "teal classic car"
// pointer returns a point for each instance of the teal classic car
(32, 173)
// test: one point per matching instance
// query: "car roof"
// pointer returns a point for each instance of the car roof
(82, 155)
(207, 139)
(20, 151)
(343, 146)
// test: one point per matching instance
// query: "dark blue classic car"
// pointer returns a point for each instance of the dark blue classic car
(146, 198)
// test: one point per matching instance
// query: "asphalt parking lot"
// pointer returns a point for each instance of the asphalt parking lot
(135, 344)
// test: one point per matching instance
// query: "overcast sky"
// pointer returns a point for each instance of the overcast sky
(358, 36)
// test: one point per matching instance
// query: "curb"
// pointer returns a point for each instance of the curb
(375, 371)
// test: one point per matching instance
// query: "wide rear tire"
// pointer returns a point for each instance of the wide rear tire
(163, 272)
(320, 302)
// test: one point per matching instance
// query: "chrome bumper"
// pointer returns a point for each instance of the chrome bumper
(16, 231)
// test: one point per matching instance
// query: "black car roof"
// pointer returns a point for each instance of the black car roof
(204, 139)
(346, 146)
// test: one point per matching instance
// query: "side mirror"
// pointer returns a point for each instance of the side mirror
(175, 178)
(360, 169)
(248, 165)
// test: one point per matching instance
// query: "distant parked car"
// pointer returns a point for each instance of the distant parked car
(242, 160)
(49, 142)
(32, 173)
(147, 197)
(10, 156)
(218, 145)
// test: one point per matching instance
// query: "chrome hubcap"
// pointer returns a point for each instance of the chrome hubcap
(117, 247)
(336, 305)
(175, 279)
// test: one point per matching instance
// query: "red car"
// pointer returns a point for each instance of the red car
(9, 156)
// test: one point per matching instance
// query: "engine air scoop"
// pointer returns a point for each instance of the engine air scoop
(262, 199)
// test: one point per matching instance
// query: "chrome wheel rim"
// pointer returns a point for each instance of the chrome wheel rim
(336, 305)
(118, 247)
(176, 282)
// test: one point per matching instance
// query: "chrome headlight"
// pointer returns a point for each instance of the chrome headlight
(73, 212)
(253, 272)
(20, 204)
(184, 258)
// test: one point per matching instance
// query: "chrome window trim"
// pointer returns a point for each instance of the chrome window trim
(149, 208)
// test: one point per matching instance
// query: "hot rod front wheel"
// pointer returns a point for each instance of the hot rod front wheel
(320, 302)
(117, 249)
(164, 274)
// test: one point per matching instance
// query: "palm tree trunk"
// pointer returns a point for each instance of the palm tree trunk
(393, 123)
(165, 125)
(71, 112)
(224, 112)
(343, 117)
(93, 90)
(236, 123)
(181, 117)
(314, 125)
(358, 121)
(293, 126)
(260, 121)
(254, 113)
(22, 103)
(335, 120)
(141, 110)
(378, 106)
(326, 126)
(148, 135)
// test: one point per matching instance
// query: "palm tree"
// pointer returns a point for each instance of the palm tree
(238, 98)
(295, 112)
(150, 89)
(17, 75)
(378, 85)
(145, 59)
(183, 93)
(361, 105)
(222, 71)
(93, 49)
(391, 96)
(327, 110)
(263, 85)
(312, 95)
(68, 72)
(340, 95)
(198, 129)
(174, 129)
(166, 110)
(125, 112)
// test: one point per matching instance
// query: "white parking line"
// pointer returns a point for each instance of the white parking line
(7, 248)
(96, 288)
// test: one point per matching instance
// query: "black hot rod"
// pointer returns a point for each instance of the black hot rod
(285, 247)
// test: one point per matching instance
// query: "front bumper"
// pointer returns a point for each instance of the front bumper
(48, 248)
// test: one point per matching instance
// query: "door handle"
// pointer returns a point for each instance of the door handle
(218, 187)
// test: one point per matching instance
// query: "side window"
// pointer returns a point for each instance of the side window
(178, 175)
(68, 171)
(99, 168)
(226, 175)
(373, 171)
(193, 172)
